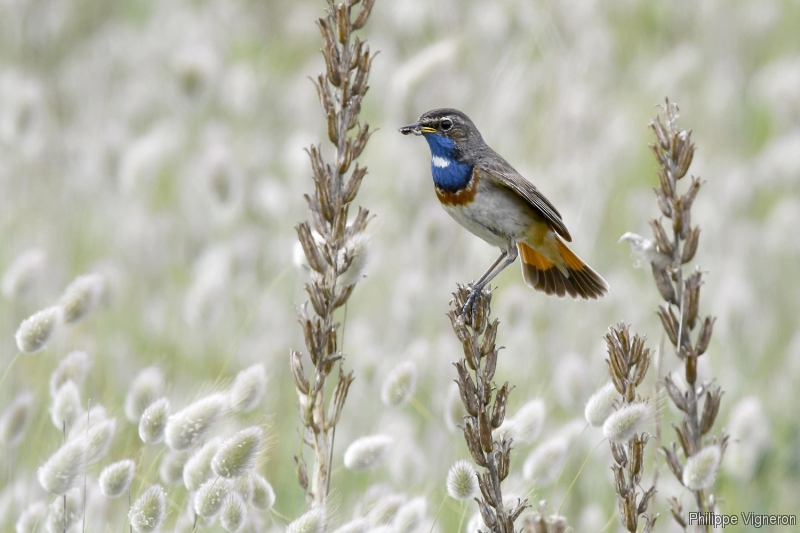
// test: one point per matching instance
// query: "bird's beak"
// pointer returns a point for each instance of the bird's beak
(416, 129)
(411, 128)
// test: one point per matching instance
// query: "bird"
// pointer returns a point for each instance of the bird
(488, 197)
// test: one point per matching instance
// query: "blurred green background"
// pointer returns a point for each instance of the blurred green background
(160, 144)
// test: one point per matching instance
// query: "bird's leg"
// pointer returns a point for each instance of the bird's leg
(510, 255)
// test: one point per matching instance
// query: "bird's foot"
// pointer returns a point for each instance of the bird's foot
(471, 305)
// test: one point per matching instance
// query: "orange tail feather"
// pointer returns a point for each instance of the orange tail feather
(575, 278)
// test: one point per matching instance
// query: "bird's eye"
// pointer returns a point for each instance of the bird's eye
(446, 124)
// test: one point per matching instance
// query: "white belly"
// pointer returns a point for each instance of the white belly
(496, 215)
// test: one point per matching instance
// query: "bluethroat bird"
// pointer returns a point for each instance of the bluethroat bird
(483, 193)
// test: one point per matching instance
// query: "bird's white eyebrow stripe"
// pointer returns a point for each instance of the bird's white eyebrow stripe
(440, 162)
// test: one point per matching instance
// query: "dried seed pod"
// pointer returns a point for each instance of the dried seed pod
(660, 235)
(310, 248)
(669, 322)
(678, 397)
(690, 246)
(301, 471)
(618, 451)
(300, 380)
(466, 387)
(710, 410)
(683, 438)
(673, 462)
(485, 430)
(473, 442)
(663, 203)
(677, 216)
(664, 284)
(338, 398)
(489, 336)
(499, 412)
(691, 369)
(705, 335)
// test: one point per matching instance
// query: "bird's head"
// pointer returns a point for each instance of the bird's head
(448, 132)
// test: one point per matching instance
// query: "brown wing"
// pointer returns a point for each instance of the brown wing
(505, 174)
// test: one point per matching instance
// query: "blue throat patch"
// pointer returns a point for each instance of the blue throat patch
(449, 174)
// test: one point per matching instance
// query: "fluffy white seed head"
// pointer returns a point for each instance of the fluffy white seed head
(73, 367)
(357, 249)
(146, 388)
(172, 465)
(22, 273)
(646, 249)
(209, 497)
(198, 468)
(749, 428)
(15, 420)
(263, 494)
(96, 415)
(98, 439)
(66, 406)
(359, 525)
(243, 486)
(64, 468)
(188, 426)
(36, 330)
(385, 509)
(248, 388)
(400, 384)
(237, 455)
(32, 518)
(409, 516)
(234, 512)
(149, 510)
(626, 421)
(312, 521)
(701, 468)
(367, 453)
(81, 297)
(462, 482)
(60, 519)
(154, 421)
(545, 462)
(116, 478)
(601, 405)
(528, 422)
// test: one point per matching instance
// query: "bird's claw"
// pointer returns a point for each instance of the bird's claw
(471, 305)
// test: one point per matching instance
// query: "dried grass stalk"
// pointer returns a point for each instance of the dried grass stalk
(485, 410)
(340, 89)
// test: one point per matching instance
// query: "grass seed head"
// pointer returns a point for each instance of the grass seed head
(528, 422)
(36, 330)
(237, 455)
(263, 494)
(601, 404)
(462, 482)
(190, 425)
(367, 453)
(116, 478)
(400, 384)
(358, 525)
(626, 421)
(21, 275)
(149, 511)
(198, 468)
(73, 367)
(15, 420)
(66, 406)
(248, 389)
(81, 297)
(234, 512)
(172, 466)
(31, 518)
(210, 496)
(154, 421)
(545, 462)
(313, 521)
(146, 388)
(701, 468)
(98, 440)
(62, 471)
(60, 519)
